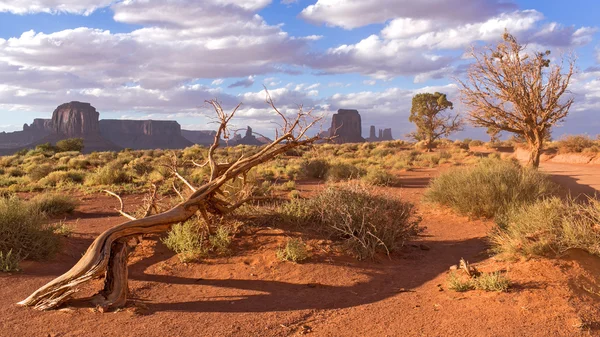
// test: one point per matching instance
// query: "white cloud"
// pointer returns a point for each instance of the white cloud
(85, 7)
(357, 13)
(428, 49)
(218, 81)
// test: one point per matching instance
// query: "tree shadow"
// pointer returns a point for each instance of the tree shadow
(420, 182)
(385, 279)
(570, 187)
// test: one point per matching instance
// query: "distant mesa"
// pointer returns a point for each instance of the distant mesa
(346, 127)
(201, 137)
(81, 120)
(384, 135)
(249, 138)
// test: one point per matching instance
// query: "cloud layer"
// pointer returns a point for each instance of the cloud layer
(176, 44)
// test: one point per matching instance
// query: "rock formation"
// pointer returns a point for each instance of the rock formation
(144, 134)
(81, 120)
(39, 129)
(387, 134)
(200, 137)
(76, 120)
(39, 125)
(346, 125)
(248, 139)
(384, 135)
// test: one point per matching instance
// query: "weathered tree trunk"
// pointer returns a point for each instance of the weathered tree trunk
(107, 255)
(535, 154)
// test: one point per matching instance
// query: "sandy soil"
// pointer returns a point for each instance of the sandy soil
(253, 294)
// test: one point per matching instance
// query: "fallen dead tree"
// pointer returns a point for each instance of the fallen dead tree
(107, 255)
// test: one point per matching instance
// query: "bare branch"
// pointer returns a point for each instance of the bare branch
(120, 210)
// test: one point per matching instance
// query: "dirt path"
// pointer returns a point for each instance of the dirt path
(576, 178)
(253, 294)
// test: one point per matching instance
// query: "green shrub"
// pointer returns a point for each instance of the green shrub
(38, 172)
(221, 240)
(79, 164)
(71, 144)
(22, 230)
(46, 147)
(574, 144)
(495, 281)
(343, 171)
(366, 221)
(111, 174)
(59, 178)
(187, 240)
(549, 227)
(293, 251)
(380, 177)
(458, 283)
(9, 262)
(490, 188)
(314, 168)
(475, 143)
(54, 204)
(15, 172)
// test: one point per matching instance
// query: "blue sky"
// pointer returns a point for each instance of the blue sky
(161, 59)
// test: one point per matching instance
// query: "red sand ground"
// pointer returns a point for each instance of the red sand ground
(253, 294)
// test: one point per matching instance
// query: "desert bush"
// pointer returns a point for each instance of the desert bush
(15, 172)
(9, 261)
(314, 168)
(54, 204)
(45, 148)
(71, 144)
(354, 213)
(111, 174)
(78, 163)
(574, 144)
(490, 188)
(380, 177)
(293, 251)
(494, 281)
(549, 227)
(38, 172)
(140, 167)
(459, 284)
(475, 143)
(187, 240)
(62, 229)
(22, 230)
(343, 171)
(59, 178)
(221, 240)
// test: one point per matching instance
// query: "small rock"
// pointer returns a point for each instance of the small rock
(424, 247)
(305, 329)
(454, 267)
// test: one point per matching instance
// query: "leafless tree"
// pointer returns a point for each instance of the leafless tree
(512, 90)
(107, 255)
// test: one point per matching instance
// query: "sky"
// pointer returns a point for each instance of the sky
(150, 59)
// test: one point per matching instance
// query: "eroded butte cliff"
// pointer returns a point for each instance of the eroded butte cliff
(200, 137)
(346, 127)
(76, 120)
(144, 134)
(384, 135)
(39, 129)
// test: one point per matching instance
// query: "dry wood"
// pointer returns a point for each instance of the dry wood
(107, 255)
